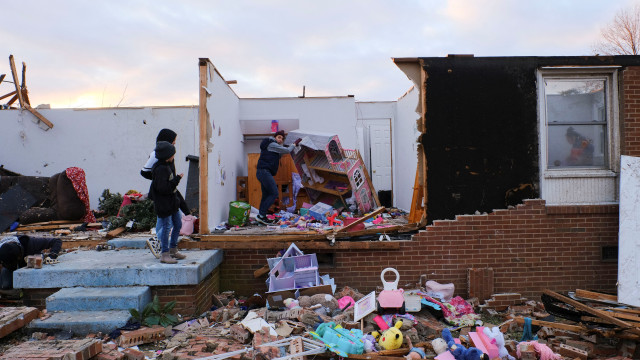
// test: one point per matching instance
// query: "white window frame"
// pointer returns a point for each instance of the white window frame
(611, 169)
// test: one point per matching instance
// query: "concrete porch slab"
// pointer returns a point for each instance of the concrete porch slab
(83, 322)
(118, 268)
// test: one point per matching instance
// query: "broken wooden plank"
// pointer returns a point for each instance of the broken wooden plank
(601, 314)
(7, 95)
(554, 325)
(263, 270)
(307, 245)
(590, 295)
(361, 220)
(2, 77)
(14, 73)
(115, 232)
(38, 115)
(305, 236)
(624, 316)
(631, 311)
(46, 227)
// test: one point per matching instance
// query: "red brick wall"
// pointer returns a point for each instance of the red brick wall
(630, 116)
(531, 248)
(191, 300)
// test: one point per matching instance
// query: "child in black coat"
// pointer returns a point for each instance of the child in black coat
(166, 202)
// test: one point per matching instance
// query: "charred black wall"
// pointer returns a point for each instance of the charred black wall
(481, 135)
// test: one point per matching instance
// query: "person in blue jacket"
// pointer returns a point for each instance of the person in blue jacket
(271, 149)
(14, 249)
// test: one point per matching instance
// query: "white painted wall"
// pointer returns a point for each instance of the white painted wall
(227, 157)
(405, 152)
(110, 144)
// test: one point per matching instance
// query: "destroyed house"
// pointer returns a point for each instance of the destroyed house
(511, 204)
(519, 160)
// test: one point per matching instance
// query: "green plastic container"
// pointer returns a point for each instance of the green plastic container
(238, 213)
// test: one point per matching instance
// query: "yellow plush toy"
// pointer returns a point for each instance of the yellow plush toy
(391, 338)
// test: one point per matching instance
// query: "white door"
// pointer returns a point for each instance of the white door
(629, 232)
(380, 155)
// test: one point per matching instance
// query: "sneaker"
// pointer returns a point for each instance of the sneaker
(264, 220)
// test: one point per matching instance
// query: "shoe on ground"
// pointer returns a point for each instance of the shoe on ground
(167, 259)
(264, 220)
(176, 254)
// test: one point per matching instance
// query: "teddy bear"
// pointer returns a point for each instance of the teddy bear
(391, 338)
(460, 352)
(439, 345)
(497, 336)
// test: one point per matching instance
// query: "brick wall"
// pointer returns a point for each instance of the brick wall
(37, 297)
(630, 115)
(531, 247)
(190, 299)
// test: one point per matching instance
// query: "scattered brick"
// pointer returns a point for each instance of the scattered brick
(133, 354)
(14, 318)
(109, 352)
(239, 333)
(55, 350)
(527, 352)
(480, 283)
(570, 351)
(141, 336)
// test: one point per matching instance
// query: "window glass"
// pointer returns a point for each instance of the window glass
(576, 123)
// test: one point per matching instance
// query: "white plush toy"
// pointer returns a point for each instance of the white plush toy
(495, 334)
(439, 345)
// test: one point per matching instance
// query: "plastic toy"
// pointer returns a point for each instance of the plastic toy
(415, 353)
(460, 352)
(332, 219)
(391, 297)
(338, 339)
(391, 338)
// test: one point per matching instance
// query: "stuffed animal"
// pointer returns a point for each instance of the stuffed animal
(291, 303)
(391, 338)
(460, 352)
(369, 343)
(497, 336)
(439, 345)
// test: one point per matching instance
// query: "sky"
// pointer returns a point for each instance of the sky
(117, 53)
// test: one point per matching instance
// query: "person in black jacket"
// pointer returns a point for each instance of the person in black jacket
(271, 149)
(166, 202)
(169, 136)
(14, 249)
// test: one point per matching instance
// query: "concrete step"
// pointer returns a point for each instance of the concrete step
(99, 298)
(130, 267)
(81, 323)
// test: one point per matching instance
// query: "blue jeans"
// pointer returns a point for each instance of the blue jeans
(269, 190)
(163, 228)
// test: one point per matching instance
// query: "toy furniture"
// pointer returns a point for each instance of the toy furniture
(330, 173)
(294, 270)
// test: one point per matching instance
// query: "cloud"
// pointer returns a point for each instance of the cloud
(136, 53)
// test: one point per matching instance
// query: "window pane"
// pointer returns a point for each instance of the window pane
(576, 145)
(575, 101)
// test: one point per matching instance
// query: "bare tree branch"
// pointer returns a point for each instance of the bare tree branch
(622, 35)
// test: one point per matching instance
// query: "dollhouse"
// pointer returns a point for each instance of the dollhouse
(331, 174)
